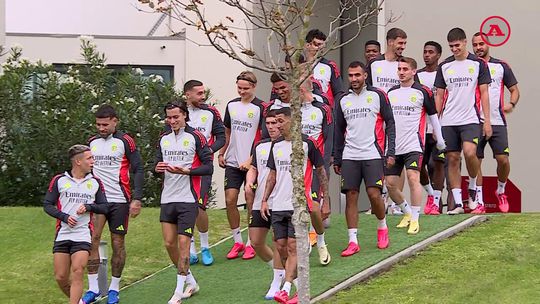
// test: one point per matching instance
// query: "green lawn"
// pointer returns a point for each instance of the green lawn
(241, 281)
(496, 262)
(26, 240)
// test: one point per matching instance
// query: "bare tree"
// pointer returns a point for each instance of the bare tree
(285, 24)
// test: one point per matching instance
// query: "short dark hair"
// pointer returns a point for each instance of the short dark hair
(190, 84)
(271, 113)
(315, 33)
(434, 44)
(395, 33)
(277, 78)
(484, 36)
(410, 61)
(356, 64)
(284, 111)
(106, 111)
(177, 104)
(456, 34)
(76, 150)
(373, 42)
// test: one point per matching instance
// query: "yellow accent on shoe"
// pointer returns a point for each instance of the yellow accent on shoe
(312, 238)
(414, 227)
(324, 255)
(404, 221)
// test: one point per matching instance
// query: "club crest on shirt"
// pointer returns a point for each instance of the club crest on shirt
(321, 71)
(94, 149)
(204, 118)
(348, 104)
(450, 72)
(250, 114)
(369, 99)
(313, 116)
(89, 185)
(166, 143)
(378, 70)
(186, 143)
(67, 185)
(279, 153)
(264, 152)
(413, 98)
(471, 70)
(233, 113)
(114, 147)
(492, 71)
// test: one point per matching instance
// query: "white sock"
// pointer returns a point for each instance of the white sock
(479, 195)
(320, 240)
(279, 274)
(352, 235)
(237, 235)
(501, 186)
(190, 279)
(456, 193)
(295, 283)
(248, 243)
(271, 263)
(382, 224)
(429, 189)
(204, 239)
(472, 183)
(437, 197)
(415, 213)
(93, 284)
(405, 207)
(115, 284)
(180, 281)
(286, 287)
(192, 248)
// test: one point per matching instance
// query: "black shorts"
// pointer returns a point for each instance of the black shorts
(315, 188)
(430, 150)
(206, 186)
(70, 247)
(498, 142)
(256, 220)
(118, 217)
(354, 171)
(455, 136)
(183, 215)
(411, 161)
(234, 178)
(282, 225)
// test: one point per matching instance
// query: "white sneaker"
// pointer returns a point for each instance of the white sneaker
(394, 209)
(457, 210)
(176, 299)
(473, 203)
(368, 212)
(190, 290)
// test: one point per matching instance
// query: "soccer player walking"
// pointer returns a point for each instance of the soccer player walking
(410, 103)
(117, 162)
(70, 198)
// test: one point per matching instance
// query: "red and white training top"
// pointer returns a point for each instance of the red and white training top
(410, 106)
(117, 160)
(461, 80)
(501, 76)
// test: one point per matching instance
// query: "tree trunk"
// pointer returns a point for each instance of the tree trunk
(301, 218)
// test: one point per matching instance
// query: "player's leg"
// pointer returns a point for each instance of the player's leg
(470, 135)
(452, 137)
(62, 265)
(437, 180)
(118, 225)
(479, 209)
(249, 251)
(373, 173)
(233, 182)
(499, 145)
(425, 175)
(169, 228)
(279, 274)
(351, 178)
(280, 227)
(202, 226)
(79, 259)
(93, 260)
(258, 241)
(318, 226)
(393, 177)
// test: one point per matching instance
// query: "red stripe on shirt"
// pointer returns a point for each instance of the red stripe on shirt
(308, 180)
(130, 142)
(380, 139)
(124, 178)
(422, 129)
(196, 180)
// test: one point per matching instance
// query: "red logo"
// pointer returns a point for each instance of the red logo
(496, 29)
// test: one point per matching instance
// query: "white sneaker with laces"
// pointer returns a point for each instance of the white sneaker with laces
(176, 299)
(190, 290)
(457, 210)
(395, 209)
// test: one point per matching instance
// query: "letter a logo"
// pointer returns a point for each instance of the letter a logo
(495, 30)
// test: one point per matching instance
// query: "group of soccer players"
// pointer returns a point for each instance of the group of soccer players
(394, 117)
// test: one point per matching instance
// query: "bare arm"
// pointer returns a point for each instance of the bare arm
(323, 179)
(484, 96)
(270, 184)
(221, 155)
(439, 100)
(514, 98)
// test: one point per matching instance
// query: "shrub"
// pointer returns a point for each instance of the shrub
(44, 112)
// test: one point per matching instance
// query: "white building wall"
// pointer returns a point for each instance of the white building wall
(424, 20)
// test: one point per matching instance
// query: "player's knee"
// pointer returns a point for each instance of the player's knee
(96, 238)
(503, 161)
(61, 278)
(373, 193)
(77, 271)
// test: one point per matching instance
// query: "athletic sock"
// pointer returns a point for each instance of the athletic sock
(286, 287)
(204, 239)
(428, 188)
(353, 235)
(415, 213)
(190, 279)
(180, 281)
(237, 235)
(279, 274)
(115, 284)
(192, 249)
(270, 263)
(295, 283)
(456, 193)
(93, 284)
(479, 195)
(248, 243)
(405, 207)
(501, 187)
(320, 240)
(437, 197)
(382, 224)
(472, 183)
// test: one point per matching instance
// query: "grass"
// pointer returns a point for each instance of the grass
(496, 262)
(26, 240)
(241, 281)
